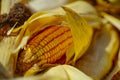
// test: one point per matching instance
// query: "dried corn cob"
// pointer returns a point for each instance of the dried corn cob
(45, 48)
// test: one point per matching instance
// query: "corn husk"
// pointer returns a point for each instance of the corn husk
(6, 56)
(83, 8)
(113, 20)
(114, 74)
(100, 55)
(78, 26)
(114, 3)
(6, 5)
(68, 73)
(109, 6)
(81, 31)
(4, 74)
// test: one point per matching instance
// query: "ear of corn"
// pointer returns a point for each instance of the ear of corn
(46, 39)
(45, 48)
(28, 32)
(47, 44)
(81, 31)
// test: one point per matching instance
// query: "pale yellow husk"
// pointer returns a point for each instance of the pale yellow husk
(83, 8)
(82, 33)
(113, 20)
(6, 56)
(6, 5)
(115, 69)
(61, 72)
(100, 55)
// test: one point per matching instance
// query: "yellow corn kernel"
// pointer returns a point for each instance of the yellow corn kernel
(45, 48)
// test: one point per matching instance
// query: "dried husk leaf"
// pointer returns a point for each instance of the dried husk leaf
(109, 6)
(83, 8)
(115, 73)
(111, 3)
(112, 19)
(82, 33)
(4, 74)
(6, 56)
(75, 74)
(6, 5)
(68, 73)
(98, 59)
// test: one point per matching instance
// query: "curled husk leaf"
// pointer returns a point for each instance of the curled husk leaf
(112, 19)
(101, 53)
(69, 72)
(82, 38)
(115, 73)
(80, 30)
